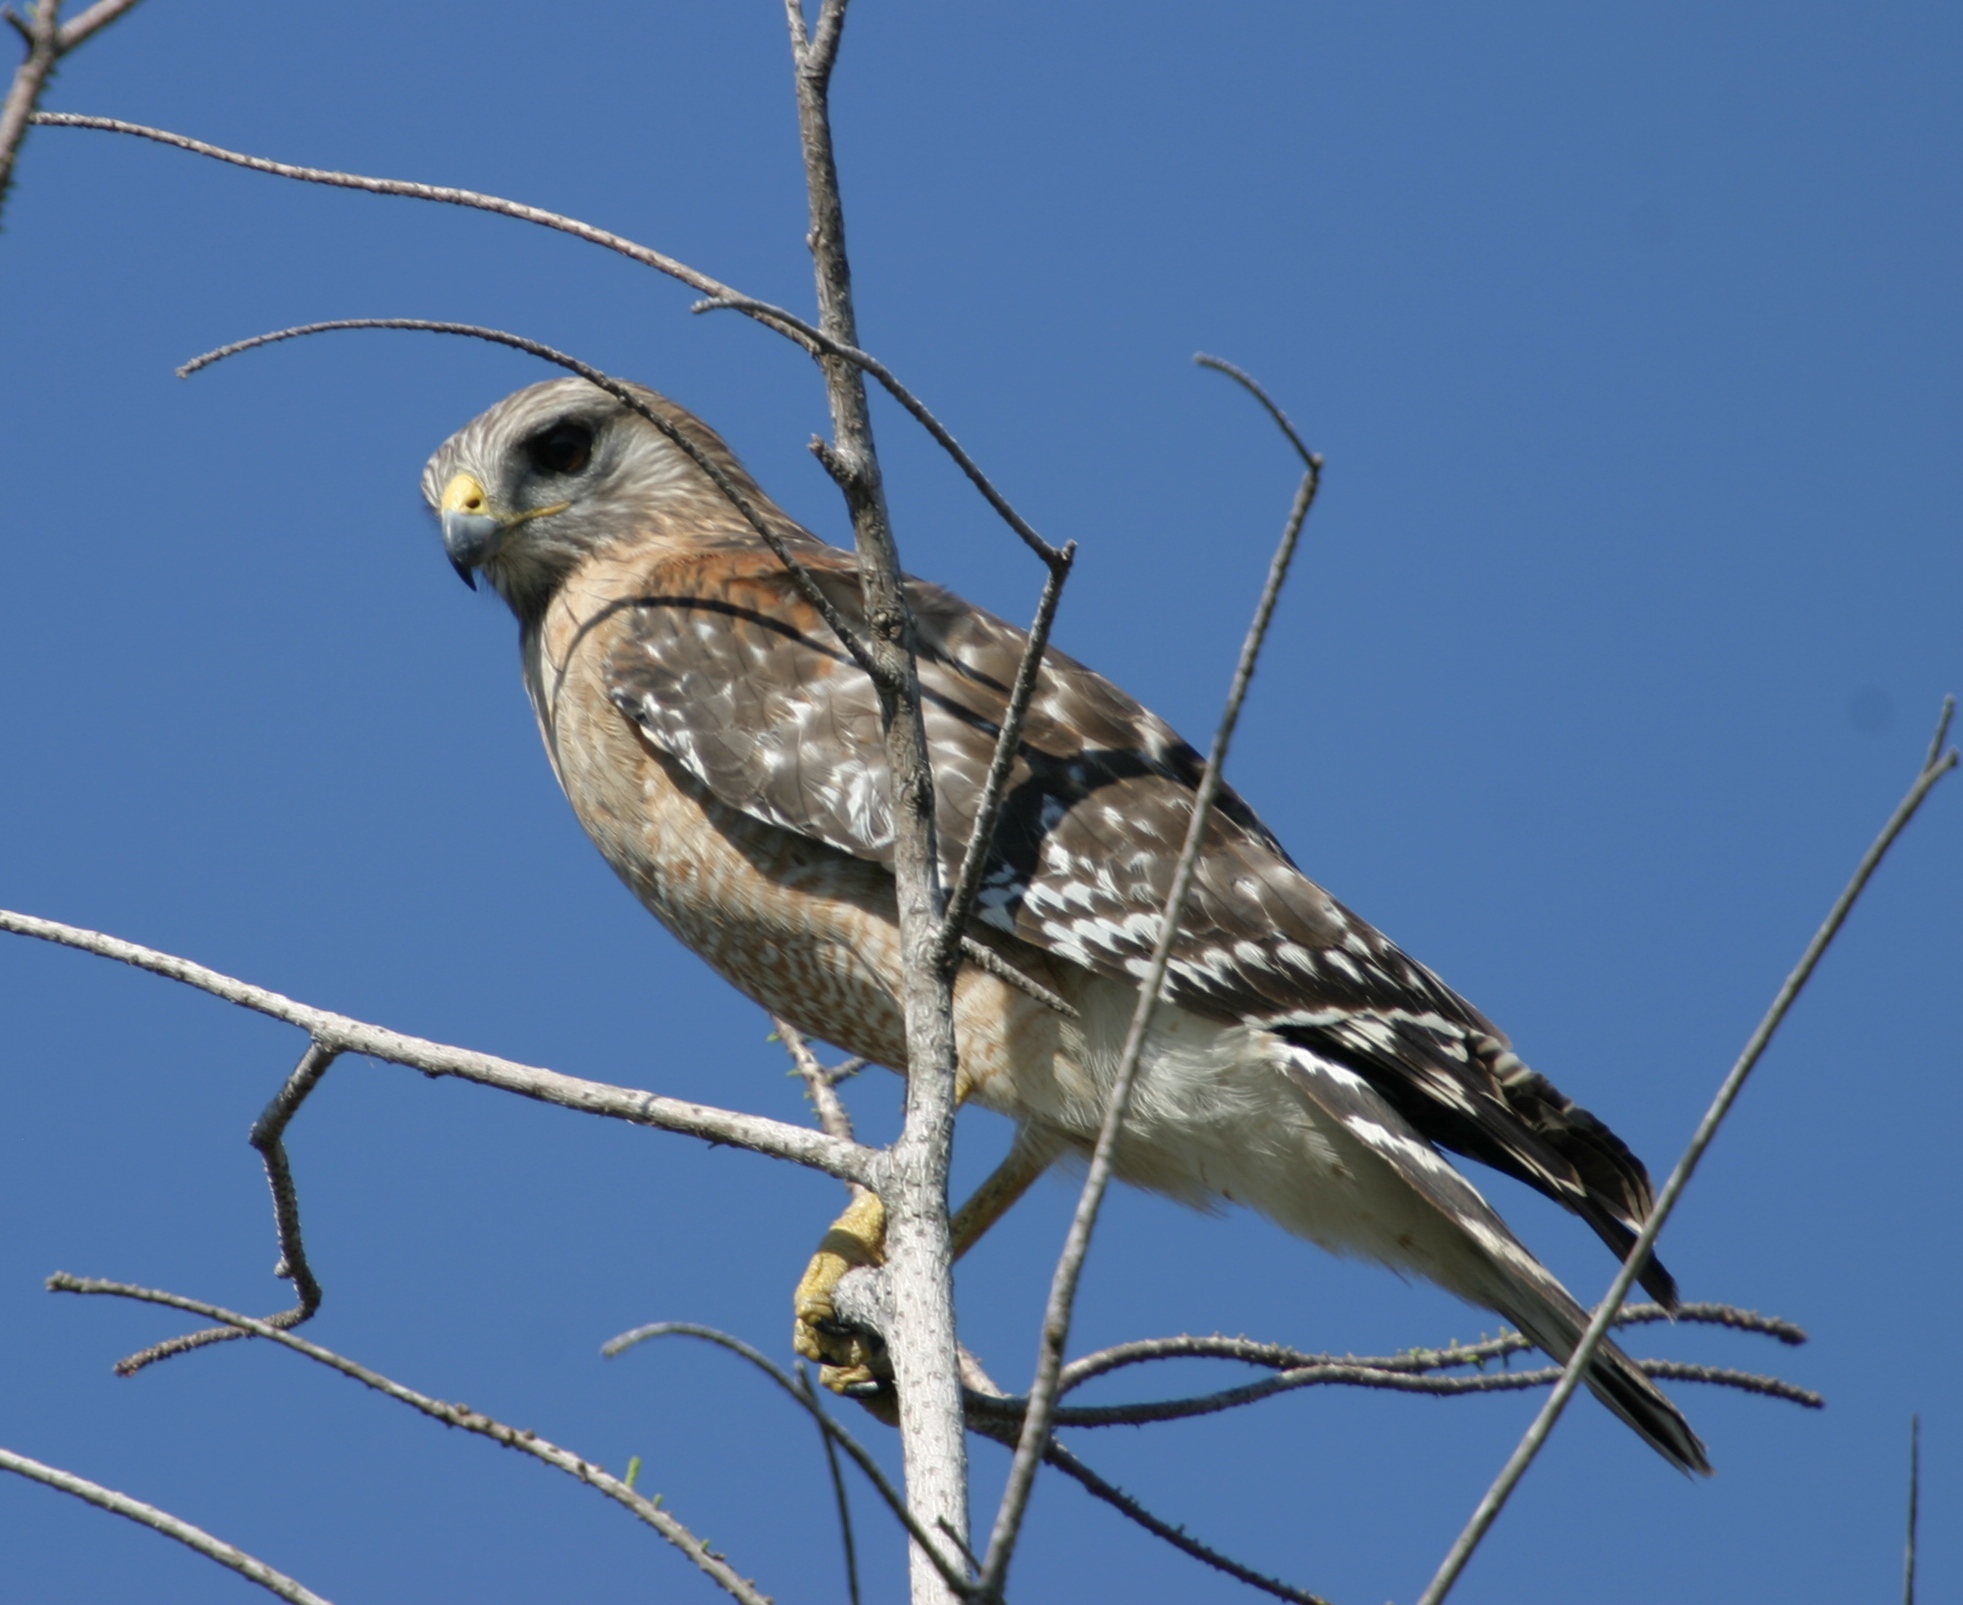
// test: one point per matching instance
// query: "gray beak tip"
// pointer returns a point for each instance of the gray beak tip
(470, 539)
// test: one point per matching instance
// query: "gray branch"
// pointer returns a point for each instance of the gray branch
(1063, 1289)
(1937, 764)
(451, 1415)
(776, 1139)
(267, 1134)
(162, 1521)
(950, 1571)
(918, 1259)
(48, 39)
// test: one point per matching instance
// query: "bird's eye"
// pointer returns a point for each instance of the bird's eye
(562, 449)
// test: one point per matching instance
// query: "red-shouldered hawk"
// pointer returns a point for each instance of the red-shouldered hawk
(724, 752)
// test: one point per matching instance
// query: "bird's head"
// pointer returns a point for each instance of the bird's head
(559, 472)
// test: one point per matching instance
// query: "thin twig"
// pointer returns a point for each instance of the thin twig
(734, 493)
(1178, 1537)
(776, 1139)
(267, 1133)
(719, 296)
(950, 1573)
(839, 1493)
(1935, 766)
(983, 1393)
(1055, 556)
(1341, 1373)
(986, 958)
(1063, 1288)
(453, 1415)
(820, 1084)
(1280, 1357)
(1008, 745)
(1914, 1503)
(247, 1566)
(99, 15)
(443, 194)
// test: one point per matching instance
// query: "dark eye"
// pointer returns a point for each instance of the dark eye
(562, 449)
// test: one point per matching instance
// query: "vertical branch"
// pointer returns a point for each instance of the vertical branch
(1034, 1442)
(1934, 767)
(1914, 1506)
(41, 32)
(47, 41)
(919, 1264)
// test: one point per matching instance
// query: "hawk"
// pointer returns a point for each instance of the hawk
(724, 751)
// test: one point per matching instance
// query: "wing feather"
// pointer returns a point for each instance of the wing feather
(728, 668)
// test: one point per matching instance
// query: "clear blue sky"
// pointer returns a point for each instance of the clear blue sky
(1631, 336)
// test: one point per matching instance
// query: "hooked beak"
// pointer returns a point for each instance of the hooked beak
(470, 534)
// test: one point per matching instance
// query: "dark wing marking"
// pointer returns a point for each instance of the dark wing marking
(727, 668)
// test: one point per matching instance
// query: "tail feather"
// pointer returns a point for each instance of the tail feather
(1555, 1322)
(1453, 1236)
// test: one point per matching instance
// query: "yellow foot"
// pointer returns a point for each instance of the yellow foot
(848, 1360)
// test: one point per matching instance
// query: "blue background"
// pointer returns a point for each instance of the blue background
(1631, 336)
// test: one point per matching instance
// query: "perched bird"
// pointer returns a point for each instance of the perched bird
(724, 752)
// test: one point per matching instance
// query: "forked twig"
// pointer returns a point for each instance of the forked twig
(1280, 1357)
(1063, 1288)
(247, 1566)
(268, 1132)
(1057, 557)
(1937, 764)
(820, 1084)
(452, 1415)
(48, 39)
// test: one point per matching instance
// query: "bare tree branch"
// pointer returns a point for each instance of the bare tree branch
(267, 1132)
(776, 1139)
(162, 1521)
(950, 1572)
(820, 1084)
(917, 1252)
(451, 1415)
(839, 1494)
(1178, 1537)
(1055, 556)
(1356, 1375)
(1279, 1357)
(1008, 743)
(48, 39)
(1937, 764)
(42, 34)
(1914, 1500)
(1063, 1289)
(98, 16)
(443, 194)
(719, 296)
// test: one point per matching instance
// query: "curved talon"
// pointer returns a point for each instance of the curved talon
(850, 1361)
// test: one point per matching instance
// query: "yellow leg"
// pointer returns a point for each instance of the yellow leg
(1030, 1156)
(858, 1237)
